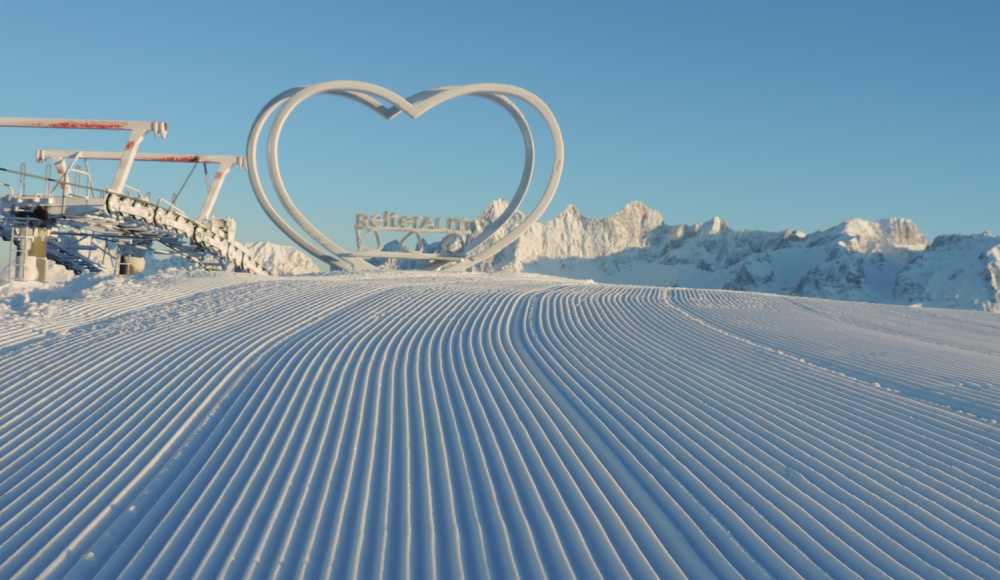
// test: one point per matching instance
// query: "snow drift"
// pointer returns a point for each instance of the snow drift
(280, 260)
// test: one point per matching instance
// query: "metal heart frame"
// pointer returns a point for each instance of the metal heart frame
(368, 94)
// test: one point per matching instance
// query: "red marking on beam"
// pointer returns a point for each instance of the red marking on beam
(82, 124)
(176, 158)
(129, 145)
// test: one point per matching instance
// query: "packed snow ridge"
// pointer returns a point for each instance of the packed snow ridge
(278, 260)
(282, 260)
(887, 261)
(189, 424)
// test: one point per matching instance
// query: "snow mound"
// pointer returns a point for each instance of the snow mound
(282, 260)
(53, 272)
(406, 425)
(160, 264)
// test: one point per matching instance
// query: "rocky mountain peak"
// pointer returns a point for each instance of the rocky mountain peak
(858, 235)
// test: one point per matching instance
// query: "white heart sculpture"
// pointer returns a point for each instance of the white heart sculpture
(368, 95)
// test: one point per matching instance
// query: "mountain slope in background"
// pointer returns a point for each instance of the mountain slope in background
(885, 261)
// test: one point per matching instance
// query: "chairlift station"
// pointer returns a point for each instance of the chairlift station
(66, 220)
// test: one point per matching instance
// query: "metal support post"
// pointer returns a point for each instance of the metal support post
(131, 259)
(20, 244)
(38, 250)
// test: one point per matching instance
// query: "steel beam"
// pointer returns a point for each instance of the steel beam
(225, 162)
(137, 132)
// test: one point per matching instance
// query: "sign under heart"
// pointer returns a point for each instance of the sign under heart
(374, 97)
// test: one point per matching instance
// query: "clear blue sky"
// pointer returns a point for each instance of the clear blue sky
(771, 115)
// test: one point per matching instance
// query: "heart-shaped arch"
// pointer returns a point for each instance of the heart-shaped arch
(368, 94)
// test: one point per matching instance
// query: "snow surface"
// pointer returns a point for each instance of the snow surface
(53, 272)
(393, 424)
(281, 260)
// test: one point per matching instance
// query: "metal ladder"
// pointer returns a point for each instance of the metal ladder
(21, 235)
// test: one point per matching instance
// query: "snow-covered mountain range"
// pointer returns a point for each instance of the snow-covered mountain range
(885, 261)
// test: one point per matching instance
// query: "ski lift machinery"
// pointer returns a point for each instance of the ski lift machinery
(76, 225)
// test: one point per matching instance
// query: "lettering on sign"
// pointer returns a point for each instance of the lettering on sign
(456, 231)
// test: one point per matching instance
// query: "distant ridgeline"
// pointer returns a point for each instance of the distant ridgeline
(886, 261)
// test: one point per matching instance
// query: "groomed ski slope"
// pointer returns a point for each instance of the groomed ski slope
(424, 426)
